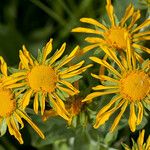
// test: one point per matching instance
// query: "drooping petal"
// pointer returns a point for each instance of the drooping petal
(59, 107)
(106, 107)
(117, 119)
(26, 98)
(140, 113)
(103, 118)
(27, 118)
(36, 103)
(132, 118)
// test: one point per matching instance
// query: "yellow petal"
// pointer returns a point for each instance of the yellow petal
(86, 30)
(24, 60)
(15, 130)
(70, 92)
(128, 13)
(144, 24)
(26, 53)
(141, 140)
(89, 47)
(74, 73)
(27, 118)
(102, 87)
(97, 94)
(42, 104)
(107, 65)
(113, 56)
(136, 15)
(129, 53)
(110, 12)
(69, 58)
(18, 118)
(140, 113)
(141, 34)
(74, 67)
(141, 48)
(69, 85)
(93, 22)
(10, 80)
(36, 103)
(59, 107)
(47, 50)
(106, 107)
(103, 118)
(142, 38)
(95, 40)
(117, 119)
(17, 85)
(26, 98)
(138, 57)
(132, 118)
(148, 143)
(106, 78)
(57, 54)
(3, 66)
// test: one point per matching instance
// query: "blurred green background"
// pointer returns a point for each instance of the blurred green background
(33, 22)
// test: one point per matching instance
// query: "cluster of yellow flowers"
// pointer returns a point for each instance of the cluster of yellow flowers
(43, 81)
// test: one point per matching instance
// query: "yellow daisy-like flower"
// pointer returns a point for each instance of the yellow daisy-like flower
(45, 79)
(131, 86)
(11, 113)
(115, 35)
(140, 145)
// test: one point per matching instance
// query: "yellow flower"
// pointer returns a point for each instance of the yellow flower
(45, 80)
(115, 35)
(140, 145)
(11, 113)
(131, 86)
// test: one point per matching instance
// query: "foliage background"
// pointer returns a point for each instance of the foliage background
(33, 22)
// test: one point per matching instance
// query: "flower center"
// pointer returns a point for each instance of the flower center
(42, 78)
(135, 86)
(116, 37)
(7, 103)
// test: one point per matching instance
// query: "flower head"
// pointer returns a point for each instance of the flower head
(46, 79)
(11, 112)
(115, 35)
(140, 145)
(131, 86)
